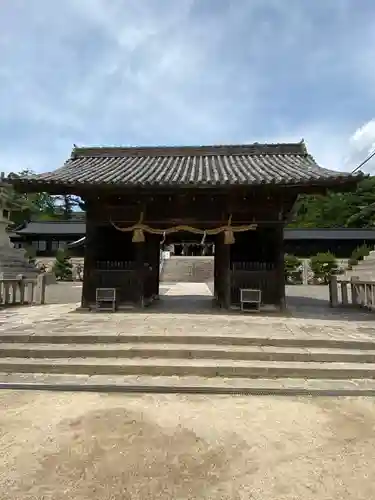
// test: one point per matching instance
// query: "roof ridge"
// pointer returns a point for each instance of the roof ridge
(298, 148)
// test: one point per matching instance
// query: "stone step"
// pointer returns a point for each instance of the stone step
(195, 367)
(186, 351)
(188, 385)
(188, 269)
(365, 264)
(192, 339)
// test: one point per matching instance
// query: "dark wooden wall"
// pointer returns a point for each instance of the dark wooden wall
(199, 206)
(255, 260)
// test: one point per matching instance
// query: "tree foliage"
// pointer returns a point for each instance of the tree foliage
(354, 209)
(63, 266)
(324, 265)
(358, 254)
(292, 269)
(36, 206)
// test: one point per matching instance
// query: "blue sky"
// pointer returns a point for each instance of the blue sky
(168, 72)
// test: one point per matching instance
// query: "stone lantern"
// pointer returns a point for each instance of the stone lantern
(13, 261)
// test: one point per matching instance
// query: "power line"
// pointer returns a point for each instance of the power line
(371, 155)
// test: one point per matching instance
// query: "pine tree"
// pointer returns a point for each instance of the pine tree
(63, 266)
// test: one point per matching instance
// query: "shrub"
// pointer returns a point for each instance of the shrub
(292, 269)
(358, 254)
(62, 266)
(324, 265)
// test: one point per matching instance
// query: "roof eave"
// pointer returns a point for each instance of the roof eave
(55, 187)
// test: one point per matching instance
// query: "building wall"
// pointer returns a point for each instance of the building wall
(47, 246)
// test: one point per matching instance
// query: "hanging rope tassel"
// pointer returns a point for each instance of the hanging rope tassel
(229, 238)
(138, 234)
(228, 233)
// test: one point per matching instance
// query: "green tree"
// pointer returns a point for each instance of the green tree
(350, 209)
(36, 206)
(24, 206)
(292, 268)
(363, 205)
(324, 265)
(11, 201)
(358, 254)
(63, 266)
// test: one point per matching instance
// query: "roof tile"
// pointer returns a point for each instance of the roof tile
(183, 166)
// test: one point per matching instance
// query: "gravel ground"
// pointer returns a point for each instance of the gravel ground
(92, 446)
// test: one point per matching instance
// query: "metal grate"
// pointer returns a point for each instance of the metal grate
(106, 299)
(250, 297)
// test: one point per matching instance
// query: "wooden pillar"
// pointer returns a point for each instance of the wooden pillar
(215, 277)
(88, 293)
(223, 273)
(140, 270)
(279, 243)
(157, 263)
(153, 259)
(219, 270)
(226, 276)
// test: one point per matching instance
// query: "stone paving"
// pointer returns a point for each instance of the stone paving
(185, 309)
(76, 445)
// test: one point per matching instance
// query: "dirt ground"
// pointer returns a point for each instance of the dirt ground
(98, 446)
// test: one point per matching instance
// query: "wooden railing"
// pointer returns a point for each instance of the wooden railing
(22, 291)
(353, 292)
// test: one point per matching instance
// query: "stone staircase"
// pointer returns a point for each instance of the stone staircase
(228, 363)
(365, 269)
(188, 269)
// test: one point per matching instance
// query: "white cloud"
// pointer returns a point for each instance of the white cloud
(363, 139)
(188, 72)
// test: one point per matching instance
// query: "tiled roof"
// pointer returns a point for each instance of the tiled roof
(53, 227)
(185, 166)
